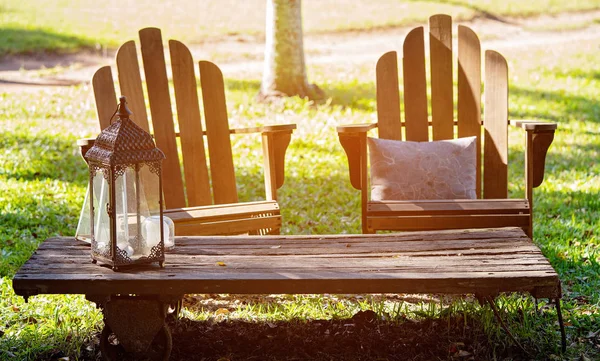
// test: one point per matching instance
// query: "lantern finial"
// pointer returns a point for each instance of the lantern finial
(122, 110)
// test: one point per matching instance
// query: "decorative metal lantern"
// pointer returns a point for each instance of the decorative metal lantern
(125, 193)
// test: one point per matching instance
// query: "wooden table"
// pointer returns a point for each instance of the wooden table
(484, 262)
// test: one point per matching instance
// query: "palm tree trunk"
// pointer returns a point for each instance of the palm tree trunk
(284, 71)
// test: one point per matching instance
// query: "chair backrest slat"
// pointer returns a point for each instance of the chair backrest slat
(469, 91)
(217, 131)
(190, 125)
(388, 97)
(442, 99)
(415, 86)
(130, 82)
(495, 122)
(162, 116)
(104, 94)
(492, 181)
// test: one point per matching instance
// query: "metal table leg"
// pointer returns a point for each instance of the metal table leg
(135, 326)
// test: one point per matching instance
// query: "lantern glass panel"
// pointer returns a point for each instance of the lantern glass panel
(136, 210)
(100, 197)
(84, 229)
(150, 226)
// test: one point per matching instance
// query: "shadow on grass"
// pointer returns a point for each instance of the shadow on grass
(26, 227)
(242, 85)
(566, 229)
(354, 95)
(562, 106)
(480, 12)
(577, 73)
(41, 156)
(567, 232)
(30, 41)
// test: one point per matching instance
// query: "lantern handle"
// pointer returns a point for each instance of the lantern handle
(113, 116)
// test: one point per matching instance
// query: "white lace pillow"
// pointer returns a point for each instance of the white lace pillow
(443, 169)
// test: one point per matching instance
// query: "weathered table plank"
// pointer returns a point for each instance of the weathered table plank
(464, 261)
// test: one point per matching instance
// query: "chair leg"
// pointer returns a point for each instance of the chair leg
(561, 324)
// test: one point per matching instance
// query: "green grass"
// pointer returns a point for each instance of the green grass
(43, 179)
(63, 25)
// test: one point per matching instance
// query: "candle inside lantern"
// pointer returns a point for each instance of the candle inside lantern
(126, 247)
(170, 236)
(151, 231)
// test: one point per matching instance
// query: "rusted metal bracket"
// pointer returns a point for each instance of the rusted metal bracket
(490, 300)
(563, 336)
(135, 326)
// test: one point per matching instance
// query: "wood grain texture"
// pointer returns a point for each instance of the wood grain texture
(197, 182)
(442, 89)
(495, 122)
(104, 95)
(434, 222)
(217, 129)
(388, 97)
(130, 83)
(469, 92)
(222, 211)
(231, 226)
(455, 262)
(466, 206)
(415, 86)
(162, 115)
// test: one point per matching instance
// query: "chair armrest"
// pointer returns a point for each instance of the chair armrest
(353, 138)
(535, 126)
(264, 129)
(539, 136)
(85, 144)
(356, 128)
(275, 140)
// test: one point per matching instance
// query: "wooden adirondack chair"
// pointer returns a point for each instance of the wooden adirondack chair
(194, 210)
(491, 208)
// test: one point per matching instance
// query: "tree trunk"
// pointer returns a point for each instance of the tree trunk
(284, 71)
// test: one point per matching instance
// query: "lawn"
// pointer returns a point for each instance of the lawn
(43, 179)
(65, 26)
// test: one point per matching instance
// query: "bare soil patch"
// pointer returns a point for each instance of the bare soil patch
(362, 337)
